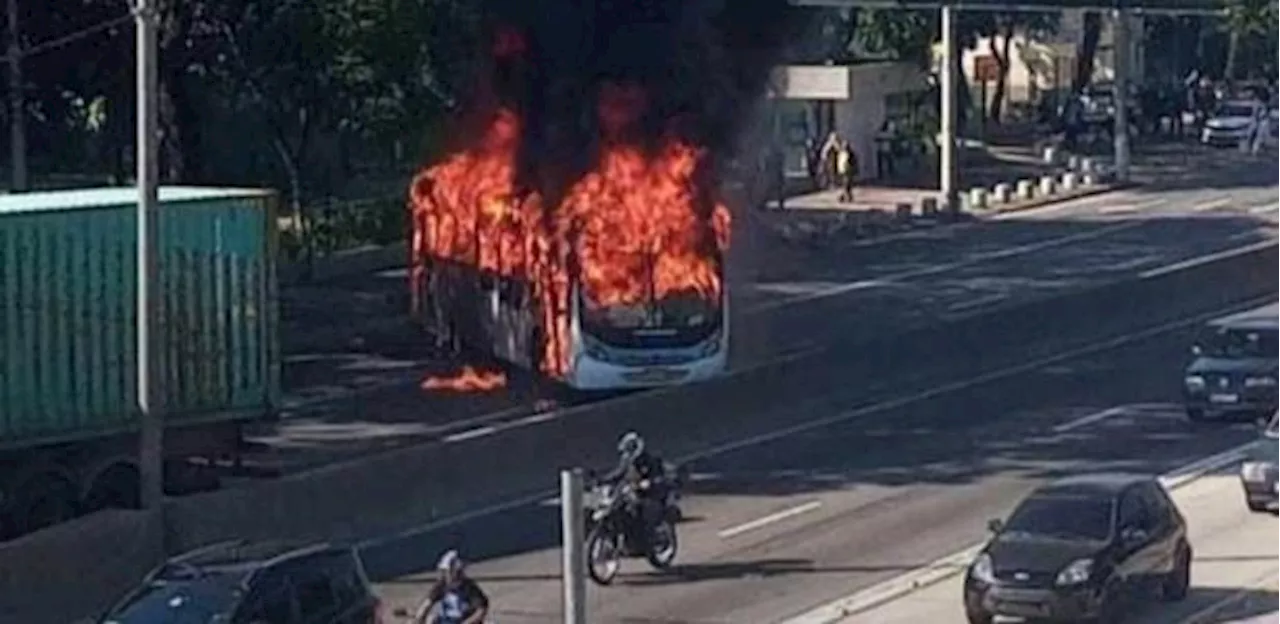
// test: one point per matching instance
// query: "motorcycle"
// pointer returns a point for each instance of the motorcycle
(615, 533)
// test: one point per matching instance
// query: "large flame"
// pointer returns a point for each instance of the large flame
(639, 225)
(469, 379)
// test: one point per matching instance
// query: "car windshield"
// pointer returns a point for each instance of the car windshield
(206, 601)
(1240, 343)
(1235, 110)
(1073, 518)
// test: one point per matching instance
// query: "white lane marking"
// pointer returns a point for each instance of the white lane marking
(943, 268)
(1212, 204)
(548, 495)
(1265, 209)
(1089, 419)
(971, 382)
(1127, 207)
(470, 434)
(1205, 259)
(533, 419)
(956, 563)
(979, 302)
(772, 518)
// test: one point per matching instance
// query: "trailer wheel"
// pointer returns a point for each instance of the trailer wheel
(40, 499)
(115, 487)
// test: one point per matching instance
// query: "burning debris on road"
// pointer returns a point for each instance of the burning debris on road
(588, 156)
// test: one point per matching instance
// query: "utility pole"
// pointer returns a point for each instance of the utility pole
(1120, 46)
(151, 442)
(17, 107)
(947, 123)
(573, 564)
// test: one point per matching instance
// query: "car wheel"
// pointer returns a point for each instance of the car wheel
(978, 616)
(1257, 505)
(1195, 414)
(1108, 612)
(1175, 584)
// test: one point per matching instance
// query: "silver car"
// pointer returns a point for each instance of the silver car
(1259, 471)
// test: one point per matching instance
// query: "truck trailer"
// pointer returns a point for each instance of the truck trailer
(68, 357)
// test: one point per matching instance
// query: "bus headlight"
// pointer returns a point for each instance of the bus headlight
(1194, 382)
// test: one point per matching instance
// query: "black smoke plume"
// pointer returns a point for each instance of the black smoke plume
(701, 66)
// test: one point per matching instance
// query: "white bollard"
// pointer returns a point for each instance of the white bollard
(977, 198)
(1051, 154)
(1069, 181)
(1024, 189)
(1087, 165)
(1002, 192)
(1089, 179)
(1047, 185)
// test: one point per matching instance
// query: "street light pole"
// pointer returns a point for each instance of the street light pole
(17, 107)
(1121, 50)
(151, 442)
(947, 112)
(573, 561)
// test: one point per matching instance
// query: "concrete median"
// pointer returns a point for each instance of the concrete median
(404, 489)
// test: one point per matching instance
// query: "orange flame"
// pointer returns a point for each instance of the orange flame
(468, 379)
(630, 227)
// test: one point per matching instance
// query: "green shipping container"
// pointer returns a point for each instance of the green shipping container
(68, 276)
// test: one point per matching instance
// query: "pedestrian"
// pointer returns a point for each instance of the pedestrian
(846, 170)
(1261, 129)
(827, 156)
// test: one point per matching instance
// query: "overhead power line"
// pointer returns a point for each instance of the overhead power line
(59, 42)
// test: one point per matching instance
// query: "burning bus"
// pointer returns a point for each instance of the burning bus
(619, 285)
(577, 230)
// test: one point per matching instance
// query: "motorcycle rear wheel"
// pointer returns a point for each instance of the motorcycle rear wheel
(604, 558)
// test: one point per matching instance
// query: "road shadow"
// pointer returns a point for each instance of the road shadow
(1224, 605)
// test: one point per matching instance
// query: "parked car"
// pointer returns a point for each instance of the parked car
(254, 583)
(1080, 548)
(1258, 472)
(1234, 370)
(1232, 122)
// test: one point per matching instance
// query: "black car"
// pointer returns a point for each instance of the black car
(1079, 549)
(253, 583)
(1234, 370)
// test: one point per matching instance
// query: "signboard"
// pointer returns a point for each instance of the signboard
(812, 82)
(985, 68)
(1180, 7)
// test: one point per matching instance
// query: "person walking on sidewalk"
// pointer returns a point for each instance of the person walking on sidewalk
(828, 155)
(846, 170)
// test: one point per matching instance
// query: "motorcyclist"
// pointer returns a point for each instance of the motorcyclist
(454, 598)
(646, 472)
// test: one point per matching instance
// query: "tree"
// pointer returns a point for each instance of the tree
(1248, 22)
(1002, 30)
(1090, 34)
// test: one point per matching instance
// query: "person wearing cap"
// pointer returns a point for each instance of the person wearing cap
(454, 598)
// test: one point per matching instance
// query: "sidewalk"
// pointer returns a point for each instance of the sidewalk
(818, 217)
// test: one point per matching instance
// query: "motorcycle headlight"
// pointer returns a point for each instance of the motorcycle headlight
(1194, 382)
(1076, 572)
(1260, 382)
(982, 569)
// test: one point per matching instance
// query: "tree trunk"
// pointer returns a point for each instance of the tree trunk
(1092, 31)
(1001, 54)
(1233, 53)
(964, 99)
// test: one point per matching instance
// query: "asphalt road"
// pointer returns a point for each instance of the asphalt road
(367, 398)
(895, 479)
(1234, 572)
